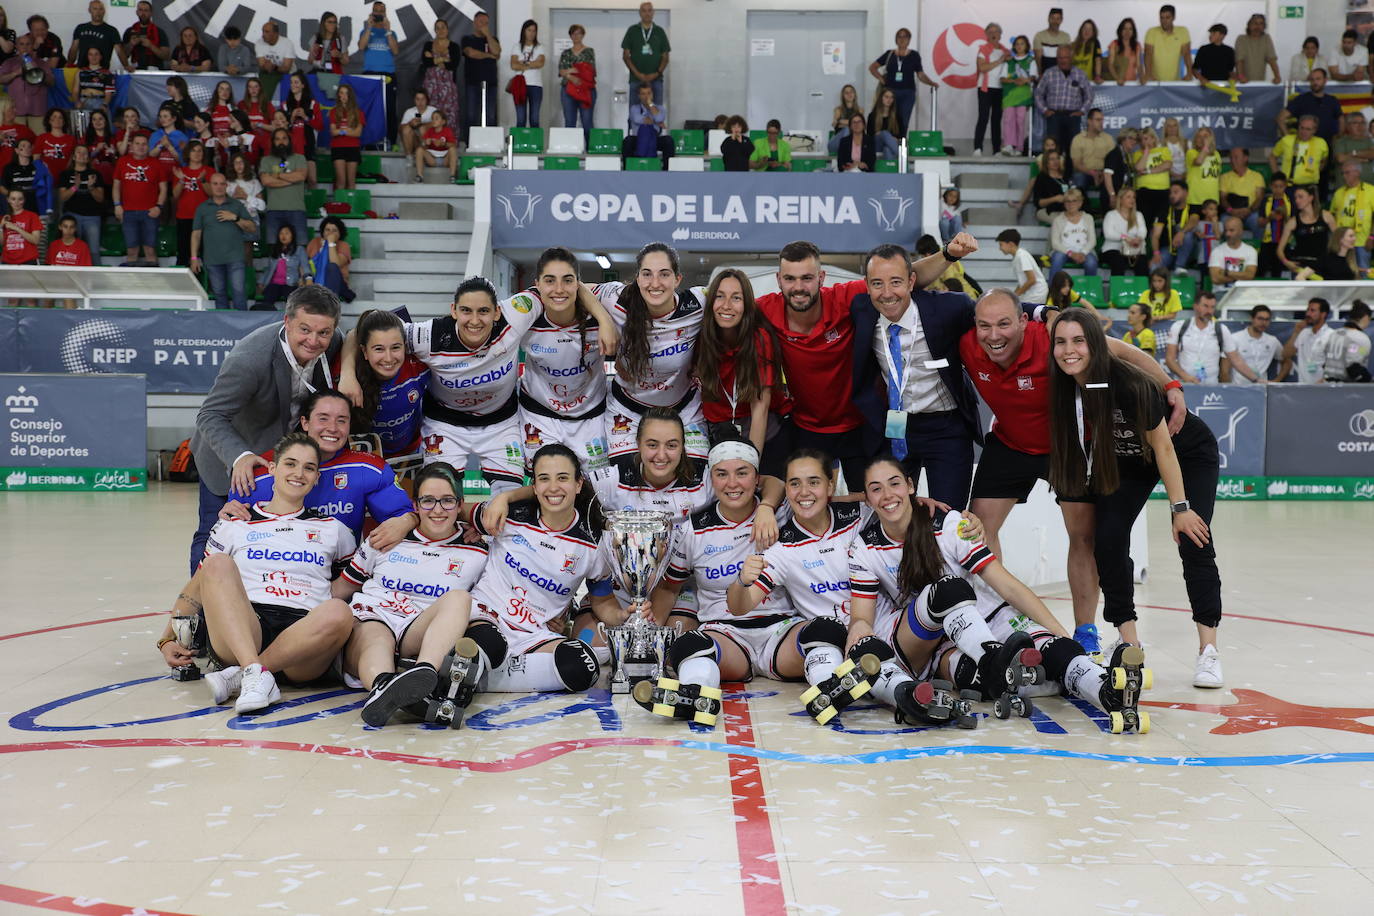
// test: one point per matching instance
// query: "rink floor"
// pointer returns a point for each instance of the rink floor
(121, 789)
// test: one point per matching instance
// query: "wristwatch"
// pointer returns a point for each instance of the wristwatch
(1180, 506)
(944, 250)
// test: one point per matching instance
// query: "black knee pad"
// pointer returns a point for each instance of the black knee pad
(577, 665)
(691, 644)
(822, 631)
(966, 674)
(871, 645)
(947, 593)
(1057, 653)
(490, 641)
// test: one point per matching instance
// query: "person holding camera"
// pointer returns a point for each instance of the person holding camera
(377, 44)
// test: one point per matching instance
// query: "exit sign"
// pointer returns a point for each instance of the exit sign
(1291, 12)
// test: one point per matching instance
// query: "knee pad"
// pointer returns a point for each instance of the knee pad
(821, 631)
(491, 642)
(966, 673)
(947, 593)
(1056, 655)
(692, 644)
(871, 645)
(576, 664)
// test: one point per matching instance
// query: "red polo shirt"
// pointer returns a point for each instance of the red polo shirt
(820, 363)
(1018, 395)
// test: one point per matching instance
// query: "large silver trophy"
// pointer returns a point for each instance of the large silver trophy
(639, 543)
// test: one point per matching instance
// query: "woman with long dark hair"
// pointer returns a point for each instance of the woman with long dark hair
(329, 48)
(287, 269)
(54, 146)
(179, 97)
(1109, 439)
(528, 61)
(304, 118)
(1126, 54)
(100, 141)
(1307, 231)
(658, 331)
(256, 105)
(883, 126)
(190, 189)
(736, 363)
(392, 383)
(346, 123)
(439, 71)
(330, 256)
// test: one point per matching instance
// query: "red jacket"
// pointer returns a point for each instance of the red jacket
(582, 91)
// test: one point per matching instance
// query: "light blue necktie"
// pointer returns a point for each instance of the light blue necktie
(894, 387)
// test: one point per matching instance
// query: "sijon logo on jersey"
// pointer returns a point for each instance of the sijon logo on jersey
(455, 568)
(569, 561)
(412, 395)
(544, 582)
(1025, 383)
(620, 424)
(485, 378)
(286, 556)
(312, 537)
(724, 572)
(532, 438)
(822, 588)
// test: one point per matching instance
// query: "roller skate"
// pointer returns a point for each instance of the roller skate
(847, 683)
(394, 690)
(455, 688)
(1008, 703)
(693, 702)
(1086, 636)
(1127, 676)
(190, 635)
(1008, 667)
(934, 703)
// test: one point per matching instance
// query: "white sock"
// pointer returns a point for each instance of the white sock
(699, 670)
(968, 630)
(603, 655)
(531, 672)
(1046, 689)
(820, 662)
(1084, 677)
(885, 684)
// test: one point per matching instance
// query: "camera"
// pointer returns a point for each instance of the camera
(377, 18)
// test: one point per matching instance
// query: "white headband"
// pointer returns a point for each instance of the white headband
(731, 450)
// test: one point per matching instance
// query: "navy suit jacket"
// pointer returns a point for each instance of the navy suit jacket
(944, 319)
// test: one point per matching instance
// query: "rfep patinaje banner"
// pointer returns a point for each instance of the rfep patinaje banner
(72, 432)
(709, 211)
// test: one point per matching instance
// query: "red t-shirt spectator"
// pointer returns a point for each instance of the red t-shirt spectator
(437, 141)
(56, 152)
(10, 134)
(820, 363)
(77, 254)
(19, 250)
(1018, 396)
(195, 189)
(259, 115)
(138, 180)
(778, 400)
(339, 141)
(220, 122)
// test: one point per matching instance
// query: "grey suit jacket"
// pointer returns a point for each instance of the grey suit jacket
(249, 406)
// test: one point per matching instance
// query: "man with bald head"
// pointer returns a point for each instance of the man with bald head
(1063, 95)
(1007, 357)
(217, 233)
(1233, 259)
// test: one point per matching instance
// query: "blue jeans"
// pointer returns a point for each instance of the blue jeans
(527, 115)
(656, 85)
(834, 145)
(226, 279)
(886, 144)
(210, 504)
(906, 104)
(88, 230)
(140, 231)
(1362, 258)
(273, 220)
(950, 226)
(1252, 225)
(1059, 259)
(1063, 128)
(572, 109)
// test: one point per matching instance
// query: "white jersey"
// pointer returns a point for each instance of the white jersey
(814, 569)
(712, 549)
(532, 572)
(1259, 354)
(477, 382)
(1311, 352)
(671, 340)
(409, 577)
(874, 559)
(627, 489)
(564, 375)
(1345, 348)
(966, 559)
(286, 560)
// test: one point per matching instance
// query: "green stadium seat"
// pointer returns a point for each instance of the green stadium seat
(324, 167)
(167, 241)
(715, 165)
(562, 163)
(810, 165)
(527, 139)
(605, 141)
(370, 164)
(352, 235)
(758, 134)
(1187, 289)
(689, 142)
(358, 200)
(315, 200)
(925, 143)
(885, 166)
(1126, 290)
(468, 163)
(112, 241)
(643, 164)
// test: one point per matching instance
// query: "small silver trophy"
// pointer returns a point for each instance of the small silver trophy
(639, 543)
(190, 634)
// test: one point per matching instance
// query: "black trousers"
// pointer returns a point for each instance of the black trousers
(847, 448)
(1152, 203)
(989, 105)
(1119, 264)
(1116, 513)
(940, 443)
(666, 149)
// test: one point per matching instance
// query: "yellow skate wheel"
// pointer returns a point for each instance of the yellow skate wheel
(870, 665)
(825, 715)
(711, 693)
(844, 667)
(810, 694)
(465, 647)
(643, 692)
(663, 709)
(1147, 679)
(1118, 723)
(1118, 678)
(704, 718)
(1143, 725)
(860, 689)
(668, 683)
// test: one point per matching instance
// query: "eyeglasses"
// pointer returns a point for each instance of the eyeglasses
(444, 502)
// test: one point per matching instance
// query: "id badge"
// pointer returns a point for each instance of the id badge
(895, 427)
(645, 49)
(897, 77)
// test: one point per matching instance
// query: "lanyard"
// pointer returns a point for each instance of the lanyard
(647, 33)
(1082, 432)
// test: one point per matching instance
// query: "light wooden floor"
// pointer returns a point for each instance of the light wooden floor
(121, 789)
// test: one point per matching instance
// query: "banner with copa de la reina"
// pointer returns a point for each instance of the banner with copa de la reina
(705, 211)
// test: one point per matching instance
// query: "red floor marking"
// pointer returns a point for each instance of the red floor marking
(85, 623)
(91, 906)
(760, 880)
(528, 758)
(1287, 623)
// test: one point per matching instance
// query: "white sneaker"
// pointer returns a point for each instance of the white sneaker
(1208, 671)
(258, 691)
(977, 152)
(224, 683)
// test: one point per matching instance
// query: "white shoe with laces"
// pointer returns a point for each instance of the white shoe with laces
(1207, 674)
(258, 691)
(224, 683)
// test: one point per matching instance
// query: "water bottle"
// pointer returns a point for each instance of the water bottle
(1201, 375)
